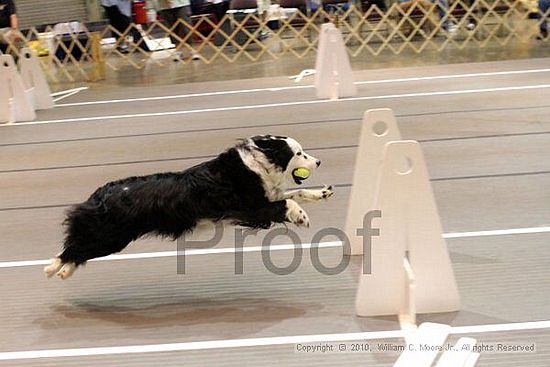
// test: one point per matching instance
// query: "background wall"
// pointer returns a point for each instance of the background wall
(36, 12)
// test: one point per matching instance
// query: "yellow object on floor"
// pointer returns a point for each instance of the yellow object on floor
(40, 48)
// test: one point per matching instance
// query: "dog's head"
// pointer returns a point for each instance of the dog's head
(285, 155)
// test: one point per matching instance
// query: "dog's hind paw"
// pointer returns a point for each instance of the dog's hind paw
(53, 268)
(66, 271)
(295, 214)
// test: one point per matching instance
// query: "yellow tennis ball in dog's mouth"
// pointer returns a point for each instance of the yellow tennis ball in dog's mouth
(301, 172)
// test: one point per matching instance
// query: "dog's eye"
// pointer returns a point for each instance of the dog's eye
(299, 153)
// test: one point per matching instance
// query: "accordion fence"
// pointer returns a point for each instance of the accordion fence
(246, 35)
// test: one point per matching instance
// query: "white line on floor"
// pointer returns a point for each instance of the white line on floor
(283, 104)
(68, 91)
(225, 250)
(258, 342)
(498, 232)
(69, 94)
(181, 96)
(190, 252)
(277, 89)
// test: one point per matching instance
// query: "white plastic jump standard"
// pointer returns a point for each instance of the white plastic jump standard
(333, 77)
(410, 231)
(34, 80)
(12, 88)
(379, 127)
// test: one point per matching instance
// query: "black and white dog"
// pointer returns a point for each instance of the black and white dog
(245, 184)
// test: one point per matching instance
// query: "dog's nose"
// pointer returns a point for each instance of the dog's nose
(318, 162)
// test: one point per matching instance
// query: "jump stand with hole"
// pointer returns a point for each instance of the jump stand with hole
(411, 270)
(35, 81)
(21, 95)
(406, 265)
(333, 77)
(379, 127)
(14, 103)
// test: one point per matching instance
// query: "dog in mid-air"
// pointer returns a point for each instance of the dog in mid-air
(245, 185)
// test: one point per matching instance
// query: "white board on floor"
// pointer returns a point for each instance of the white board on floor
(460, 355)
(423, 345)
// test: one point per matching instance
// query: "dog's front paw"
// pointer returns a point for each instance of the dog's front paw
(327, 192)
(295, 214)
(319, 195)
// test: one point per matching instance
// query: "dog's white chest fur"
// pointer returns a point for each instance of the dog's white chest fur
(273, 179)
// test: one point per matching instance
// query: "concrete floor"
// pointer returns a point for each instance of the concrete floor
(170, 72)
(286, 65)
(486, 153)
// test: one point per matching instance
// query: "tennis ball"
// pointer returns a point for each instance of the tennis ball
(301, 172)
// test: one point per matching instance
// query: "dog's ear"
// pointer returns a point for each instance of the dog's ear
(276, 150)
(258, 138)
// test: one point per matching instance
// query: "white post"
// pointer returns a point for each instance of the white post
(12, 87)
(333, 77)
(407, 317)
(5, 94)
(35, 80)
(379, 127)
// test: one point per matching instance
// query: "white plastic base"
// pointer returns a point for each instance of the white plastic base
(425, 343)
(462, 355)
(429, 334)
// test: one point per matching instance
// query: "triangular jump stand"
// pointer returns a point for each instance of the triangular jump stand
(35, 82)
(379, 127)
(411, 270)
(333, 77)
(14, 103)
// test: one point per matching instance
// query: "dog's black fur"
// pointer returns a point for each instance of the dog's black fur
(170, 204)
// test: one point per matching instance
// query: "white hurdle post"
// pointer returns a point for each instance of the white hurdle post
(35, 80)
(333, 77)
(14, 105)
(411, 270)
(379, 127)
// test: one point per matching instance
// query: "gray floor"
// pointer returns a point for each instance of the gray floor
(486, 153)
(289, 64)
